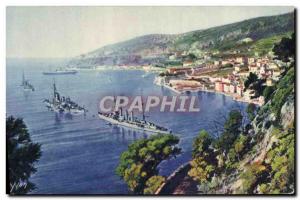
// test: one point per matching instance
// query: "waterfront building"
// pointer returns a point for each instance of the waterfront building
(239, 90)
(226, 80)
(219, 86)
(226, 87)
(232, 88)
(248, 94)
(184, 83)
(176, 70)
(214, 79)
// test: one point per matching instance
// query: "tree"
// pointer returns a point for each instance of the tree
(153, 184)
(251, 109)
(201, 143)
(268, 91)
(240, 145)
(139, 163)
(250, 79)
(22, 153)
(258, 87)
(285, 48)
(201, 170)
(251, 175)
(190, 57)
(232, 129)
(204, 159)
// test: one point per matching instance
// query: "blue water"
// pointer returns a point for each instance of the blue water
(80, 154)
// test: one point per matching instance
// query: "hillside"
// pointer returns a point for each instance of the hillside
(257, 157)
(157, 48)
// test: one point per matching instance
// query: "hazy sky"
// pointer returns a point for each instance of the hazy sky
(70, 31)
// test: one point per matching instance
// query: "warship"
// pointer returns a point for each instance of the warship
(60, 72)
(130, 121)
(63, 104)
(26, 85)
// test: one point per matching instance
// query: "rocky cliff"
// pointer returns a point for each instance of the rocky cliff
(268, 166)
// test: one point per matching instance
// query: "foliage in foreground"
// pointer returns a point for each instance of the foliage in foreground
(138, 165)
(22, 153)
(269, 172)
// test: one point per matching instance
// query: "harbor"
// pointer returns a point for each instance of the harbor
(89, 142)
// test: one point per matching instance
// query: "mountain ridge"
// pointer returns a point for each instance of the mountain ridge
(154, 48)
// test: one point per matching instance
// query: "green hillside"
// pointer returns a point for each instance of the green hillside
(156, 48)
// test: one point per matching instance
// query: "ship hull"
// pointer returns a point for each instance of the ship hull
(66, 111)
(60, 73)
(127, 125)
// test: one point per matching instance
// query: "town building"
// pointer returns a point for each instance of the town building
(262, 71)
(239, 90)
(219, 86)
(237, 68)
(273, 66)
(226, 87)
(251, 60)
(249, 94)
(176, 70)
(217, 62)
(269, 82)
(242, 60)
(276, 73)
(232, 88)
(187, 63)
(254, 69)
(226, 80)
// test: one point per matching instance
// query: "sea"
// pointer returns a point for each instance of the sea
(80, 153)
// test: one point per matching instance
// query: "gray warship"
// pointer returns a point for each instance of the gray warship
(63, 104)
(26, 84)
(130, 121)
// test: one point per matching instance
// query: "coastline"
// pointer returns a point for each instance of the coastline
(178, 183)
(212, 91)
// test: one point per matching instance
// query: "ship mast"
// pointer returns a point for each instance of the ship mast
(23, 79)
(143, 111)
(54, 88)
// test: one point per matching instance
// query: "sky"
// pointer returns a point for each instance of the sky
(55, 32)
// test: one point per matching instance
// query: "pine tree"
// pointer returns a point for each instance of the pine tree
(22, 153)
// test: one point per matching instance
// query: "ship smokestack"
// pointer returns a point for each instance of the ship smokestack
(131, 116)
(126, 115)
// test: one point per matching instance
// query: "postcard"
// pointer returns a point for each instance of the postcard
(152, 101)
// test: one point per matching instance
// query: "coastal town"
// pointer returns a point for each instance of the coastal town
(225, 76)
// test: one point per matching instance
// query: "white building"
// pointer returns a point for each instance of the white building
(226, 87)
